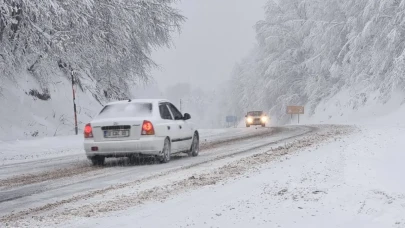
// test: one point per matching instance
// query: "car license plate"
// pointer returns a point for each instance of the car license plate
(116, 133)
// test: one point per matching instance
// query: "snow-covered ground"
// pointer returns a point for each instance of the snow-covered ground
(347, 107)
(24, 116)
(336, 176)
(17, 151)
(354, 181)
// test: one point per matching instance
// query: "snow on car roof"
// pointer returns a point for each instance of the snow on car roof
(139, 101)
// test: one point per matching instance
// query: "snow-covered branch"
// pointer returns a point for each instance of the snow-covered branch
(109, 40)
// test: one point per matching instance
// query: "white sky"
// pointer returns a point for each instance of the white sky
(216, 35)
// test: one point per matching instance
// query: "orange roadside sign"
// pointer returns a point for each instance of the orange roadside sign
(295, 109)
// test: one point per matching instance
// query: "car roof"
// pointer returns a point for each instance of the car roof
(139, 101)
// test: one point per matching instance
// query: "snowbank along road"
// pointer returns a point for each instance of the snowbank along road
(47, 190)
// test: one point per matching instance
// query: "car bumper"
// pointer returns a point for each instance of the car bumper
(258, 122)
(143, 146)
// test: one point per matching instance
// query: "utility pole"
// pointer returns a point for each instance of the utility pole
(74, 102)
(180, 106)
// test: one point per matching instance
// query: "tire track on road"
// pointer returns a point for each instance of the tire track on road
(84, 168)
(303, 131)
(24, 164)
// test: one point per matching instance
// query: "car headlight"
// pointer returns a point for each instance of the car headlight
(249, 119)
(264, 118)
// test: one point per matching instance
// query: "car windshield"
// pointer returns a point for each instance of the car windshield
(255, 113)
(126, 110)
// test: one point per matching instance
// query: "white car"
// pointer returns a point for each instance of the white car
(133, 128)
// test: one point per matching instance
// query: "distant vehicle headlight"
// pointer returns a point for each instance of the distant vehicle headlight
(250, 120)
(264, 119)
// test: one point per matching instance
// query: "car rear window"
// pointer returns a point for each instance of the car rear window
(255, 113)
(126, 110)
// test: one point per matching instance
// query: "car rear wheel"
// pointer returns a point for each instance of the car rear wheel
(195, 146)
(166, 152)
(97, 160)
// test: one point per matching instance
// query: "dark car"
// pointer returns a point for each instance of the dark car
(256, 118)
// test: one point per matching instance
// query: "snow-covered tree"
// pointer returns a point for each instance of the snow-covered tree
(309, 50)
(107, 42)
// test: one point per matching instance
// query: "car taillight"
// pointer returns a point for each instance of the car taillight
(88, 131)
(147, 128)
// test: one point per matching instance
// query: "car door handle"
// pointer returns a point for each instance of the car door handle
(168, 127)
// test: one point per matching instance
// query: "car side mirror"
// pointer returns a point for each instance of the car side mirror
(187, 116)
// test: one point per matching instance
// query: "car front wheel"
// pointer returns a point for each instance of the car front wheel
(195, 146)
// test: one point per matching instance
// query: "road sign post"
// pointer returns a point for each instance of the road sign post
(74, 102)
(231, 119)
(295, 110)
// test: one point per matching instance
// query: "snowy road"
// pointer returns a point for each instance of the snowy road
(33, 185)
(345, 182)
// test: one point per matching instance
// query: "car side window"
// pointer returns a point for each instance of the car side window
(164, 112)
(176, 113)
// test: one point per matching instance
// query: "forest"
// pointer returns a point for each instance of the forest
(309, 50)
